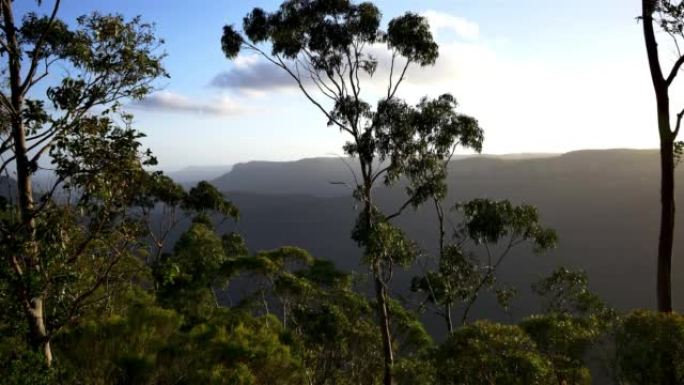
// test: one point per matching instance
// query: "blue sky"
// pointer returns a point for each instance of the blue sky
(540, 75)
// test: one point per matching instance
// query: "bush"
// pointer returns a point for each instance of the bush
(564, 340)
(650, 348)
(488, 353)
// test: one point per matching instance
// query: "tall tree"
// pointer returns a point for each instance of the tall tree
(496, 227)
(76, 129)
(668, 15)
(324, 46)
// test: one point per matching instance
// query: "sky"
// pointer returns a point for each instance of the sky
(540, 76)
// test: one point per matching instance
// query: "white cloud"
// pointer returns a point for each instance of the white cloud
(464, 28)
(173, 102)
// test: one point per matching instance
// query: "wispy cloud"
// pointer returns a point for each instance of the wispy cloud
(464, 28)
(252, 73)
(168, 101)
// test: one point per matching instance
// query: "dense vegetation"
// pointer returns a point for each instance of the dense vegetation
(96, 290)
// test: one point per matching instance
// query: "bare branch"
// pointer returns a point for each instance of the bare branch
(391, 74)
(351, 170)
(402, 208)
(379, 173)
(38, 50)
(401, 79)
(679, 124)
(279, 62)
(675, 70)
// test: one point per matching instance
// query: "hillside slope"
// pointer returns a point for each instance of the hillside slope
(604, 204)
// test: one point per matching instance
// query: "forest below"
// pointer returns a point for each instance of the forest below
(402, 262)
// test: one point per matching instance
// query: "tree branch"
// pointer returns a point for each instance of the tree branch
(401, 79)
(675, 70)
(37, 51)
(679, 124)
(402, 208)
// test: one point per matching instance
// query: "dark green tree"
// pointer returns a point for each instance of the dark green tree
(324, 47)
(488, 353)
(145, 344)
(59, 256)
(573, 323)
(650, 348)
(567, 291)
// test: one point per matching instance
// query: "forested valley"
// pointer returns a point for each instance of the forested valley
(400, 262)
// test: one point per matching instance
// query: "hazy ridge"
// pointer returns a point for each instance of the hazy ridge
(603, 203)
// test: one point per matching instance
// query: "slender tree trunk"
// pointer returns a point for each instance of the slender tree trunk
(381, 294)
(667, 137)
(440, 221)
(383, 317)
(667, 224)
(447, 316)
(34, 303)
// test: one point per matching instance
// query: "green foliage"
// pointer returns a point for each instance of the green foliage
(205, 197)
(157, 188)
(19, 365)
(567, 292)
(146, 345)
(232, 348)
(488, 221)
(120, 348)
(419, 141)
(340, 343)
(186, 278)
(488, 353)
(461, 276)
(70, 257)
(384, 242)
(574, 322)
(650, 348)
(410, 36)
(234, 245)
(324, 274)
(456, 279)
(321, 27)
(564, 340)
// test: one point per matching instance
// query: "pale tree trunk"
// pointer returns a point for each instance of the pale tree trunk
(33, 303)
(667, 137)
(440, 220)
(383, 317)
(381, 294)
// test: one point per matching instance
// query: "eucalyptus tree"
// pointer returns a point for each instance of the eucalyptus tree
(668, 16)
(495, 228)
(572, 326)
(164, 205)
(326, 48)
(62, 89)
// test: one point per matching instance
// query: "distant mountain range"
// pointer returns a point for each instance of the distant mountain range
(321, 177)
(604, 205)
(194, 174)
